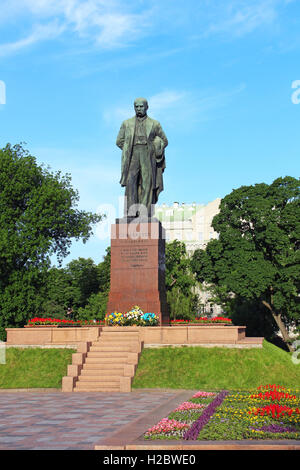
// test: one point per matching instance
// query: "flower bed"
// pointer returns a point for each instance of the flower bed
(134, 317)
(234, 416)
(185, 414)
(203, 320)
(62, 323)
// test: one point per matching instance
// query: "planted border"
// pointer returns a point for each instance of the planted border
(194, 430)
(271, 414)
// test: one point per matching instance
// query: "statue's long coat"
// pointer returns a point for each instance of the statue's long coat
(155, 138)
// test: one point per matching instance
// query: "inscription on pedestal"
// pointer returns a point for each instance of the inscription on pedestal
(138, 270)
(135, 256)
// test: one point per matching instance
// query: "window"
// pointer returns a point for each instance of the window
(189, 236)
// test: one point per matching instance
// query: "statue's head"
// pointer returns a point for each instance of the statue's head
(140, 106)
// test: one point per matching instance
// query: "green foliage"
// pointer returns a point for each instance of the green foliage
(181, 306)
(95, 309)
(81, 285)
(178, 271)
(82, 276)
(199, 368)
(257, 254)
(95, 306)
(180, 281)
(34, 367)
(38, 218)
(55, 301)
(104, 272)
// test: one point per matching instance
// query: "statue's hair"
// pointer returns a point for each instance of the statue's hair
(142, 99)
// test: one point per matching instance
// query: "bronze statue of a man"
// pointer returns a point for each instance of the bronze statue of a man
(143, 144)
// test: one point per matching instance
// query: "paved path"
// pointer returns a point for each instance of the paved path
(52, 420)
(70, 421)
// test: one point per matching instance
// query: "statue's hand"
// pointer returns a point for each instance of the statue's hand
(158, 146)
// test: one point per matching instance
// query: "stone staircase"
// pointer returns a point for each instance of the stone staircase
(107, 364)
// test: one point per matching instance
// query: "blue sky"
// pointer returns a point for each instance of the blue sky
(222, 77)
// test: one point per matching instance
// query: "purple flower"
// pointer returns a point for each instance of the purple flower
(276, 428)
(196, 427)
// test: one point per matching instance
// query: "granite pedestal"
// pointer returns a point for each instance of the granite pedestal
(138, 267)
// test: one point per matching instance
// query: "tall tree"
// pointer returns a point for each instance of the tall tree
(180, 281)
(83, 281)
(257, 253)
(70, 286)
(95, 307)
(38, 218)
(104, 272)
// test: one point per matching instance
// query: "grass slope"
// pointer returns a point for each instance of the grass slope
(34, 367)
(216, 368)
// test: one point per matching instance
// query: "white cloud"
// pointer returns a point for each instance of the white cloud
(118, 23)
(239, 18)
(39, 33)
(177, 106)
(106, 24)
(158, 104)
(166, 100)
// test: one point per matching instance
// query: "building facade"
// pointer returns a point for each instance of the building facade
(191, 224)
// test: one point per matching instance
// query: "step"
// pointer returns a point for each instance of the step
(118, 369)
(113, 347)
(130, 336)
(107, 354)
(99, 379)
(120, 331)
(251, 339)
(114, 341)
(98, 383)
(106, 359)
(102, 365)
(88, 389)
(95, 370)
(116, 344)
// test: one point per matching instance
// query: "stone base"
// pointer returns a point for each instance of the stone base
(51, 336)
(138, 268)
(151, 336)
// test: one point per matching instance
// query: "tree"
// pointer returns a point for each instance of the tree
(104, 272)
(179, 281)
(95, 307)
(55, 289)
(83, 281)
(257, 253)
(71, 287)
(38, 218)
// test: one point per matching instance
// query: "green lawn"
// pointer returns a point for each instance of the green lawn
(34, 367)
(216, 368)
(177, 368)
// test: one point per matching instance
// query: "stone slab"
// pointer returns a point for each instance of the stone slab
(158, 336)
